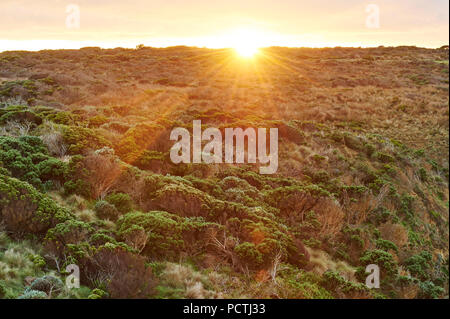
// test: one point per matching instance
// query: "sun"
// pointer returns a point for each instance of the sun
(246, 42)
(246, 50)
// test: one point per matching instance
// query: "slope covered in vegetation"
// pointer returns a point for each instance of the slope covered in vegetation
(86, 177)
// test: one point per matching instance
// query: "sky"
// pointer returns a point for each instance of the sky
(59, 24)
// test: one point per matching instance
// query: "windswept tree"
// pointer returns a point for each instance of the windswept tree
(104, 169)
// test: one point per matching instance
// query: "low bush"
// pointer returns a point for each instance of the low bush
(105, 210)
(48, 284)
(121, 201)
(25, 210)
(168, 234)
(342, 288)
(93, 175)
(122, 273)
(33, 294)
(26, 158)
(69, 232)
(81, 140)
(386, 245)
(428, 290)
(420, 265)
(386, 262)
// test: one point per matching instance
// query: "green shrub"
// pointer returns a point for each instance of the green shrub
(292, 198)
(121, 201)
(386, 262)
(48, 284)
(21, 116)
(168, 234)
(184, 200)
(78, 173)
(419, 265)
(136, 140)
(342, 288)
(101, 237)
(3, 289)
(298, 283)
(150, 160)
(33, 294)
(37, 260)
(98, 294)
(63, 117)
(78, 186)
(81, 140)
(386, 245)
(25, 210)
(52, 169)
(69, 232)
(26, 158)
(428, 290)
(205, 185)
(249, 255)
(105, 210)
(97, 120)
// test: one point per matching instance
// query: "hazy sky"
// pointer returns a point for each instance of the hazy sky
(39, 24)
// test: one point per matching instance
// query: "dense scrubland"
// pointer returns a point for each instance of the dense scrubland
(86, 178)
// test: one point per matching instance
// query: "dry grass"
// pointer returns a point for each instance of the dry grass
(331, 217)
(396, 233)
(188, 280)
(321, 262)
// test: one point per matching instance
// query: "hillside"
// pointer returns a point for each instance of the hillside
(86, 177)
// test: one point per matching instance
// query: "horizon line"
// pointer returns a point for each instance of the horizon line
(224, 48)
